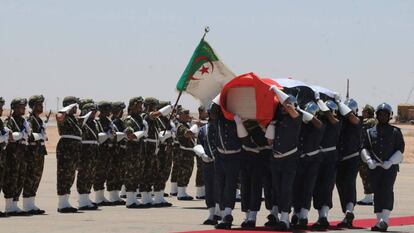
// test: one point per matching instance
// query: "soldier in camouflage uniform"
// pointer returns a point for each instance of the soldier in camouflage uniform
(368, 121)
(68, 151)
(116, 171)
(15, 157)
(176, 151)
(87, 158)
(164, 155)
(4, 139)
(185, 159)
(135, 129)
(106, 136)
(202, 120)
(34, 155)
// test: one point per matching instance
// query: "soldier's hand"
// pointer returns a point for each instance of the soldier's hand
(60, 116)
(371, 164)
(130, 135)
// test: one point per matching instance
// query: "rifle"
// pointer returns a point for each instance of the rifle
(347, 88)
(48, 116)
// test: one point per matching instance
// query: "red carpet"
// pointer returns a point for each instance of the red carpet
(358, 224)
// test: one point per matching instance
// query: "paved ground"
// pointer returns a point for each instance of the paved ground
(184, 216)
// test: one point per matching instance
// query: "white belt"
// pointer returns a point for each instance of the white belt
(227, 152)
(71, 137)
(123, 146)
(279, 155)
(256, 150)
(35, 143)
(328, 149)
(151, 140)
(186, 148)
(310, 154)
(93, 142)
(350, 156)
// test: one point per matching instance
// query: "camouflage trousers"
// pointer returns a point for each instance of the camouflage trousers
(199, 175)
(116, 174)
(34, 171)
(151, 168)
(86, 168)
(67, 154)
(165, 163)
(134, 166)
(363, 173)
(15, 166)
(175, 156)
(185, 165)
(101, 167)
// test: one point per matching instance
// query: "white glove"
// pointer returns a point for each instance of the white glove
(199, 150)
(16, 136)
(165, 136)
(371, 164)
(139, 135)
(343, 109)
(120, 136)
(322, 106)
(387, 164)
(102, 137)
(38, 136)
(206, 158)
(282, 96)
(166, 110)
(194, 129)
(337, 98)
(397, 157)
(241, 130)
(306, 117)
(238, 119)
(68, 108)
(270, 131)
(317, 95)
(85, 117)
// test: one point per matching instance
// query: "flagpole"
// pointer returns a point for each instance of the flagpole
(206, 30)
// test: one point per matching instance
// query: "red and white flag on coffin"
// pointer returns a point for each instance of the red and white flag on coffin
(324, 90)
(249, 96)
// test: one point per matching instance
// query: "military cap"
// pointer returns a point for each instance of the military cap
(87, 108)
(84, 101)
(384, 107)
(2, 100)
(369, 109)
(104, 106)
(18, 101)
(164, 103)
(34, 99)
(151, 101)
(68, 100)
(134, 100)
(201, 109)
(117, 106)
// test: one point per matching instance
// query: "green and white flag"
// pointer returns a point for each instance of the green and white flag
(205, 74)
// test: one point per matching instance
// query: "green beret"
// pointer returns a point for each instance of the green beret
(2, 100)
(151, 101)
(18, 101)
(85, 101)
(134, 100)
(34, 99)
(87, 108)
(369, 109)
(68, 100)
(164, 103)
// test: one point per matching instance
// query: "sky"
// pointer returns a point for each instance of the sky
(114, 50)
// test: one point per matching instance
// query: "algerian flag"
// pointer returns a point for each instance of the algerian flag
(205, 74)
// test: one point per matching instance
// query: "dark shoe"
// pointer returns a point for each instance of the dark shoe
(302, 224)
(383, 226)
(36, 212)
(135, 206)
(321, 224)
(119, 202)
(122, 196)
(166, 204)
(294, 220)
(139, 195)
(365, 203)
(347, 221)
(248, 224)
(186, 198)
(166, 195)
(146, 206)
(238, 199)
(104, 203)
(226, 223)
(210, 222)
(281, 226)
(272, 221)
(93, 207)
(201, 197)
(21, 213)
(3, 215)
(67, 210)
(217, 218)
(173, 194)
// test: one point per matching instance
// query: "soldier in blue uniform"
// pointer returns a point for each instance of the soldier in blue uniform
(206, 140)
(383, 148)
(283, 136)
(308, 167)
(227, 165)
(325, 183)
(349, 147)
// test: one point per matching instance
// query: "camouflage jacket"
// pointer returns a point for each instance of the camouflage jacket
(69, 126)
(135, 123)
(104, 125)
(19, 124)
(37, 126)
(182, 129)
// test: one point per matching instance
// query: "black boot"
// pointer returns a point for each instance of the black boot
(321, 225)
(272, 221)
(382, 227)
(226, 223)
(67, 210)
(248, 224)
(347, 221)
(302, 224)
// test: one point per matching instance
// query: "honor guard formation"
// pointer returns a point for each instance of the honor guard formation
(127, 153)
